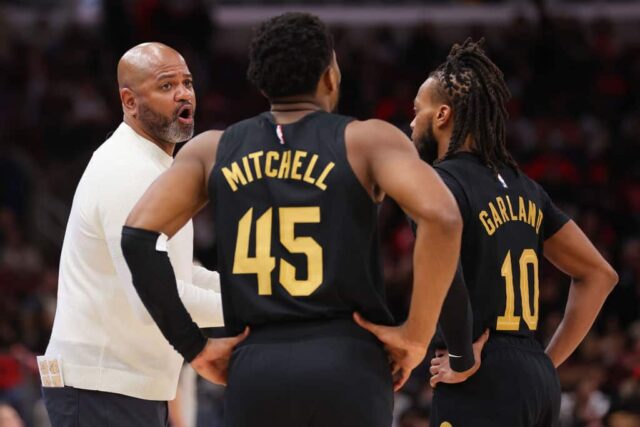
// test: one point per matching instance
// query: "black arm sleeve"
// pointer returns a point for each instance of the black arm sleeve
(456, 324)
(155, 282)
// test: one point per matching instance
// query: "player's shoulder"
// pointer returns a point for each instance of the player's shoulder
(372, 126)
(533, 186)
(460, 170)
(203, 144)
(376, 133)
(201, 151)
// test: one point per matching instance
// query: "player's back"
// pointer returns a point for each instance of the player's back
(297, 255)
(507, 217)
(296, 231)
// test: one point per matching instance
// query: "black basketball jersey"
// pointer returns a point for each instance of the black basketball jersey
(296, 231)
(506, 218)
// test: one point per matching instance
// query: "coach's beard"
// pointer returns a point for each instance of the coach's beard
(164, 128)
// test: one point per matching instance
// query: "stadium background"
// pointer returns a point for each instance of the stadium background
(573, 69)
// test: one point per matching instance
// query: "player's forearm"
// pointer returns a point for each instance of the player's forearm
(154, 280)
(456, 324)
(435, 259)
(586, 298)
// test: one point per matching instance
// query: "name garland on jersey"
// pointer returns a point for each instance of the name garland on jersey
(492, 218)
(290, 164)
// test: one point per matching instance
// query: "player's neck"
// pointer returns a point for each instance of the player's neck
(289, 110)
(468, 145)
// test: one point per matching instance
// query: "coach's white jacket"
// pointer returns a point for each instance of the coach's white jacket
(102, 331)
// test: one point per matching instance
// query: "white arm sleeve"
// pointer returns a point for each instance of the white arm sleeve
(204, 305)
(205, 279)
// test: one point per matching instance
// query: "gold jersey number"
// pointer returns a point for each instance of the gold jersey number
(262, 264)
(511, 322)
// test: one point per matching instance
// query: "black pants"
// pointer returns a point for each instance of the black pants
(318, 374)
(516, 386)
(73, 407)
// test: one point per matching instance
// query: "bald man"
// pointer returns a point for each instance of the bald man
(107, 363)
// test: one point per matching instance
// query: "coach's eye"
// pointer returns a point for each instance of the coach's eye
(188, 83)
(166, 86)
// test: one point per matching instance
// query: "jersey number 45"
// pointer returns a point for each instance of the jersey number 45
(263, 263)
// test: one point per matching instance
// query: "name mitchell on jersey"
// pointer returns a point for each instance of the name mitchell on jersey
(290, 164)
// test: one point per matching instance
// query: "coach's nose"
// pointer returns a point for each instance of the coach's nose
(184, 93)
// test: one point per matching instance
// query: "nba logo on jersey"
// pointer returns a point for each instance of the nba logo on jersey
(280, 134)
(504, 184)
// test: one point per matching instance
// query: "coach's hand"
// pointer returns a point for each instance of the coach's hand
(213, 361)
(441, 371)
(404, 354)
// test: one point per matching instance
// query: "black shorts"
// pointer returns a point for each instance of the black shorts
(516, 386)
(312, 374)
(74, 407)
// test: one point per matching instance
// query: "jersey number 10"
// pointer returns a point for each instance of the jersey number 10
(511, 322)
(263, 263)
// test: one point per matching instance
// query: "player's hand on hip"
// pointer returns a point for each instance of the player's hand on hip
(404, 354)
(441, 371)
(213, 361)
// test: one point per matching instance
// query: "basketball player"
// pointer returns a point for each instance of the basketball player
(295, 193)
(510, 223)
(107, 364)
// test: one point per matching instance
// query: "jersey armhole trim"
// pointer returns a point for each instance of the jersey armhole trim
(341, 138)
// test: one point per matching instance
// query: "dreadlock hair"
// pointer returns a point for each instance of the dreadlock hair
(288, 54)
(475, 88)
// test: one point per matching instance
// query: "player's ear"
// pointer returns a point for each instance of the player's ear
(129, 101)
(332, 76)
(329, 79)
(444, 115)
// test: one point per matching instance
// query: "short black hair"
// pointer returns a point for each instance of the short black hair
(475, 88)
(288, 54)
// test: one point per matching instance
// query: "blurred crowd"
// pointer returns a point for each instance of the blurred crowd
(574, 127)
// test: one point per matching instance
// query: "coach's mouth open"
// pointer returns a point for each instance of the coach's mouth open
(185, 114)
